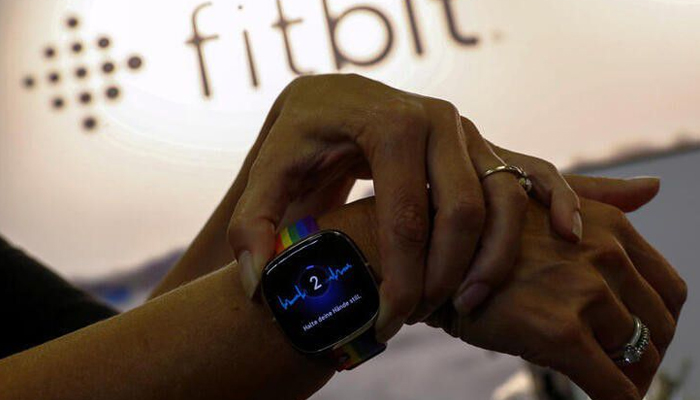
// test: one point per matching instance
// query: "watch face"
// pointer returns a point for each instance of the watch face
(320, 291)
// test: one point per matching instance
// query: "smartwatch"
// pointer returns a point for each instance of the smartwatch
(322, 294)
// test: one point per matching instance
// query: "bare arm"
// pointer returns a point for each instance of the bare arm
(207, 340)
(204, 340)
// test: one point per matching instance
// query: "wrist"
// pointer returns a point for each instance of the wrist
(316, 276)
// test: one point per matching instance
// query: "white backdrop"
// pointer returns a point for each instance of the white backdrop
(565, 79)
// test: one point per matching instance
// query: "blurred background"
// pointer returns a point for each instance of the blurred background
(122, 124)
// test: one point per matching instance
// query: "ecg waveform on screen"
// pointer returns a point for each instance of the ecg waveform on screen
(334, 274)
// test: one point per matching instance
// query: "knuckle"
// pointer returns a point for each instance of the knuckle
(445, 107)
(545, 167)
(236, 228)
(302, 81)
(410, 224)
(445, 111)
(594, 295)
(665, 332)
(590, 291)
(681, 293)
(567, 334)
(468, 125)
(467, 214)
(610, 254)
(294, 83)
(405, 115)
(236, 224)
(299, 80)
(676, 296)
(243, 227)
(616, 218)
(598, 293)
(352, 77)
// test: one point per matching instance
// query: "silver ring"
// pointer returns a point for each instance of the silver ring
(633, 350)
(523, 179)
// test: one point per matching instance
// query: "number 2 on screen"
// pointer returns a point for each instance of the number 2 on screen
(314, 280)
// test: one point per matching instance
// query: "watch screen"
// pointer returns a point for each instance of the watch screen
(320, 291)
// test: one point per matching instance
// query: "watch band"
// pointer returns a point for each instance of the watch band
(294, 233)
(361, 348)
(357, 351)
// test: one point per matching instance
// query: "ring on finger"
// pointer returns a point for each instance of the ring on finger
(634, 349)
(520, 173)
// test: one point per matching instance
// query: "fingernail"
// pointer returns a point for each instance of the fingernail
(249, 277)
(387, 325)
(474, 295)
(577, 228)
(645, 180)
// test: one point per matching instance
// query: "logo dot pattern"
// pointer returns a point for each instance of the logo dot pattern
(105, 71)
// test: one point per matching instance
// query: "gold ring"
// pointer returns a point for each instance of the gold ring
(523, 179)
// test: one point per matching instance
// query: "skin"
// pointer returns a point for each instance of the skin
(210, 249)
(204, 358)
(345, 127)
(564, 299)
(576, 303)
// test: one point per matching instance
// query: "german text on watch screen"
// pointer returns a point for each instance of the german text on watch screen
(321, 291)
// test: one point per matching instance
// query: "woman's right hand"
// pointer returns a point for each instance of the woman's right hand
(567, 306)
(325, 131)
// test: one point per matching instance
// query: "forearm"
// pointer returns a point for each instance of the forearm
(203, 340)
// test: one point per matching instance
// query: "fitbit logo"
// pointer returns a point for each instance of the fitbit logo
(79, 71)
(74, 53)
(284, 25)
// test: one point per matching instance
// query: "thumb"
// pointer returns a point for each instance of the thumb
(625, 194)
(319, 201)
(253, 227)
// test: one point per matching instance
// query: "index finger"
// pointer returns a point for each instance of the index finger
(458, 204)
(506, 204)
(398, 169)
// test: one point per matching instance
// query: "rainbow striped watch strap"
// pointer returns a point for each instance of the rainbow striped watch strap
(360, 349)
(294, 233)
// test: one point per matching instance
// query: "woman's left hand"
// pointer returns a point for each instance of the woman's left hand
(568, 307)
